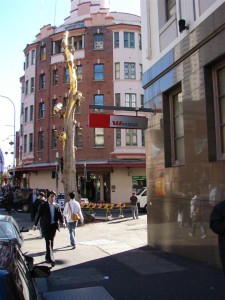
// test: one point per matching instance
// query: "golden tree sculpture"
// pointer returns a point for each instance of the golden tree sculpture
(67, 136)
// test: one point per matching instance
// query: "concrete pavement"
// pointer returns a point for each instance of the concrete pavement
(112, 261)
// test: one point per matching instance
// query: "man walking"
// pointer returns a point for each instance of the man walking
(72, 207)
(134, 208)
(50, 215)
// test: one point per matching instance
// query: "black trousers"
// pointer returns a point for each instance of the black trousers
(49, 236)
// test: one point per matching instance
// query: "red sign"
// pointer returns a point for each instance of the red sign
(117, 121)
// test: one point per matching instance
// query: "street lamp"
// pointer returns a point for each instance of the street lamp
(14, 129)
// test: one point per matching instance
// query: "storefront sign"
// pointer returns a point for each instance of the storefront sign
(116, 121)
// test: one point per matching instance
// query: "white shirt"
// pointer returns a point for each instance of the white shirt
(75, 208)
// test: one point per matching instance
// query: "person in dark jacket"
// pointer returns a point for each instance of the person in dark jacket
(134, 208)
(217, 224)
(50, 215)
(40, 200)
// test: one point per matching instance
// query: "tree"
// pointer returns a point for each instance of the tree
(67, 137)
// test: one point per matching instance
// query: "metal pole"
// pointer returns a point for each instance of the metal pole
(14, 129)
(57, 172)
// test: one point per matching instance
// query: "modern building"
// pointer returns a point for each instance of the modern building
(110, 162)
(183, 78)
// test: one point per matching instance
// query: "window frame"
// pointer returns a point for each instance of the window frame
(116, 39)
(219, 124)
(98, 41)
(130, 70)
(40, 140)
(129, 39)
(99, 134)
(131, 134)
(98, 72)
(41, 110)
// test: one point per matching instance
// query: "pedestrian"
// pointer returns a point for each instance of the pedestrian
(8, 198)
(196, 215)
(134, 208)
(72, 207)
(32, 198)
(39, 200)
(217, 225)
(50, 215)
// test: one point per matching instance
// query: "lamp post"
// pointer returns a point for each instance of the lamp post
(14, 133)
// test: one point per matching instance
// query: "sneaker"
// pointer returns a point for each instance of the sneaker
(203, 236)
(190, 233)
(73, 247)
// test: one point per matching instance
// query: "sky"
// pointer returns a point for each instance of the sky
(21, 21)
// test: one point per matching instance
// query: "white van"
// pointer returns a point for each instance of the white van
(142, 199)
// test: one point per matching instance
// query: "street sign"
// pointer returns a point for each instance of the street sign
(97, 120)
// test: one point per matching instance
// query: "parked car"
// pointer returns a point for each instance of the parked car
(142, 199)
(10, 230)
(17, 273)
(23, 200)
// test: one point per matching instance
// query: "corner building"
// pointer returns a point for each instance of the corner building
(110, 162)
(183, 77)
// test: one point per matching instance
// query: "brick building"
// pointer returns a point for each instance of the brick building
(110, 162)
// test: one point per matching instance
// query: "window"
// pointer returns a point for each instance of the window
(33, 57)
(118, 137)
(130, 100)
(170, 8)
(31, 112)
(116, 40)
(30, 142)
(65, 99)
(129, 71)
(98, 72)
(21, 129)
(40, 140)
(99, 136)
(98, 41)
(57, 47)
(117, 99)
(41, 110)
(27, 60)
(54, 139)
(174, 131)
(32, 84)
(42, 81)
(26, 114)
(142, 100)
(139, 41)
(66, 76)
(54, 102)
(23, 88)
(99, 100)
(219, 83)
(128, 39)
(117, 70)
(78, 137)
(55, 77)
(43, 53)
(131, 137)
(25, 144)
(79, 73)
(77, 42)
(177, 127)
(26, 87)
(22, 108)
(141, 71)
(143, 138)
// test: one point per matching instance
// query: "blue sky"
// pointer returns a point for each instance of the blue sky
(21, 20)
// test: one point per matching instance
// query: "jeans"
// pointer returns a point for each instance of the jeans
(71, 227)
(134, 210)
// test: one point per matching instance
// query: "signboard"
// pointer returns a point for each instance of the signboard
(117, 121)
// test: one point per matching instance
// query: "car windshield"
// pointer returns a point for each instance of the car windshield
(7, 230)
(140, 191)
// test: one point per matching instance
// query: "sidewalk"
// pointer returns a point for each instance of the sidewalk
(112, 261)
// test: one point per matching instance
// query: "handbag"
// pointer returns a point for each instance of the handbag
(74, 216)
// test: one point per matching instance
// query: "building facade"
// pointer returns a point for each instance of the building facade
(184, 67)
(110, 162)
